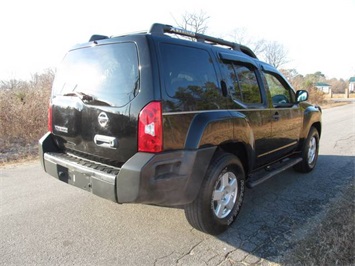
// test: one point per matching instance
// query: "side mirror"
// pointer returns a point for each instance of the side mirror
(301, 96)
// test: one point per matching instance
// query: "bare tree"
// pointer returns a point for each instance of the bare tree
(12, 84)
(195, 22)
(289, 74)
(42, 80)
(275, 54)
(293, 77)
(239, 35)
(258, 46)
(338, 86)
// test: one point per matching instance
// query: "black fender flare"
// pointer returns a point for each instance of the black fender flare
(312, 117)
(216, 128)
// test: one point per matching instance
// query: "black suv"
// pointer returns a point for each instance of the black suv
(158, 118)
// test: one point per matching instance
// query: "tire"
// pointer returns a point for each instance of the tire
(220, 197)
(309, 152)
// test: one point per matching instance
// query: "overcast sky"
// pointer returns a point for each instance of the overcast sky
(318, 34)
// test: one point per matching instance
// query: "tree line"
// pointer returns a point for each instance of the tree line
(270, 52)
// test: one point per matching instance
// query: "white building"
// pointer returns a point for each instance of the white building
(352, 84)
(324, 87)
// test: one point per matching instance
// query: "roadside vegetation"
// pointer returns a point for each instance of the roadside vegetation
(23, 116)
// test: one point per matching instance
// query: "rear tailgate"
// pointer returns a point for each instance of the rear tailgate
(91, 101)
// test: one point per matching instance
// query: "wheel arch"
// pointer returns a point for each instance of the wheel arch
(318, 126)
(312, 117)
(241, 151)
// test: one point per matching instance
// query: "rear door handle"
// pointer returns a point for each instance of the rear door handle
(106, 141)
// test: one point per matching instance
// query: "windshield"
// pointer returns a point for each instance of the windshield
(105, 74)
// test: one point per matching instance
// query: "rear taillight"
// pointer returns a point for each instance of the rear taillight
(150, 128)
(50, 121)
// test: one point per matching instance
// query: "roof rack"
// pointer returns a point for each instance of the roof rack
(97, 37)
(160, 29)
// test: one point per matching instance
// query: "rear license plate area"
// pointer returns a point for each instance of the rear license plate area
(80, 180)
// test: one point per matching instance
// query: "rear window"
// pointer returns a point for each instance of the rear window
(105, 74)
(190, 78)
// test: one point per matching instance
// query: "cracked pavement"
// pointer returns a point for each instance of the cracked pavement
(43, 221)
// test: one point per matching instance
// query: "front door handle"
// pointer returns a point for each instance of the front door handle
(276, 116)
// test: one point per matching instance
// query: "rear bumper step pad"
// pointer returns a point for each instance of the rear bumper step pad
(93, 177)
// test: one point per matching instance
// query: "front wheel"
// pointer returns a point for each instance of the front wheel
(220, 197)
(309, 152)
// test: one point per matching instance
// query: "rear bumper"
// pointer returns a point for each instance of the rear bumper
(167, 179)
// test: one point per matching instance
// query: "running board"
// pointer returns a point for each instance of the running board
(264, 175)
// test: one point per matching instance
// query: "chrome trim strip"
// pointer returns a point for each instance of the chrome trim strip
(211, 111)
(281, 148)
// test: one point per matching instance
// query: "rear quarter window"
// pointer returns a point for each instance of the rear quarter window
(190, 79)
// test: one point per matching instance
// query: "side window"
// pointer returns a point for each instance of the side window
(248, 85)
(279, 93)
(190, 78)
(245, 88)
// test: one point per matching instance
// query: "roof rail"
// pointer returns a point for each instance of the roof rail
(160, 29)
(97, 37)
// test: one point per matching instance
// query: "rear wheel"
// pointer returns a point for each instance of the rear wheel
(220, 197)
(309, 152)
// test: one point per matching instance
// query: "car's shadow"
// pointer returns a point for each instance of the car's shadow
(276, 210)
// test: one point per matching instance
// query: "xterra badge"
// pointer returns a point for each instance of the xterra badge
(61, 129)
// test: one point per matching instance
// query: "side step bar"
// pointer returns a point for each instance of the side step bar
(264, 175)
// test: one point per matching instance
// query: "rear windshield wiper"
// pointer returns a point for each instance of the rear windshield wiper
(87, 98)
(82, 96)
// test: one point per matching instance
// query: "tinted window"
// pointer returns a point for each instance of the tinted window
(189, 78)
(107, 73)
(245, 88)
(279, 93)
